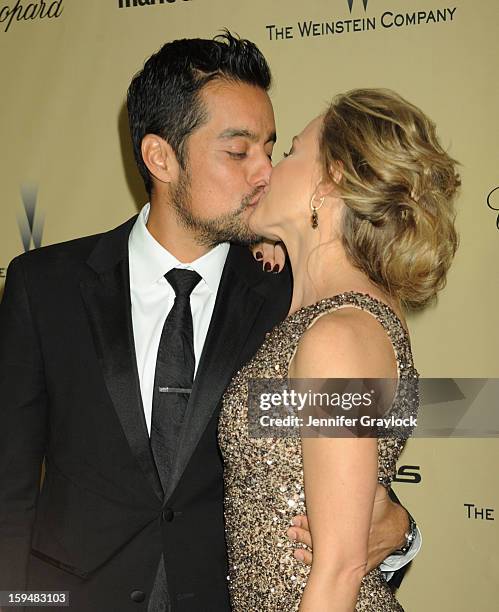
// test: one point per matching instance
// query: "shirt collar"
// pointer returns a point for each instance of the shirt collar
(150, 261)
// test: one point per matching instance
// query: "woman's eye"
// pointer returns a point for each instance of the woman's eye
(235, 155)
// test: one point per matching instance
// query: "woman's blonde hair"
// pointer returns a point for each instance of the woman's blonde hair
(398, 185)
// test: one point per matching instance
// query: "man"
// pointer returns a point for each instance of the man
(116, 349)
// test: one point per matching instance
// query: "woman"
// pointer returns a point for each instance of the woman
(364, 205)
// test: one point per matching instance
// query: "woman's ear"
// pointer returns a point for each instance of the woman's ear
(326, 187)
(160, 158)
(336, 172)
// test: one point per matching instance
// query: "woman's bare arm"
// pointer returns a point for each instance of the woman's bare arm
(340, 473)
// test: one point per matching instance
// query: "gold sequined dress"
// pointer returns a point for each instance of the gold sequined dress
(263, 477)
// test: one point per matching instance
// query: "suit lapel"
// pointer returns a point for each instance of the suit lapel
(107, 300)
(244, 292)
(236, 309)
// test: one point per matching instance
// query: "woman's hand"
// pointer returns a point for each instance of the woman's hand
(272, 255)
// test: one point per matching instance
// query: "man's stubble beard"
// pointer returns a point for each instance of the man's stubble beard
(229, 227)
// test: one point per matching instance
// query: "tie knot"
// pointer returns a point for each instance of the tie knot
(183, 281)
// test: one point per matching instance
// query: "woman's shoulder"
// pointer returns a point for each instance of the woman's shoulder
(344, 343)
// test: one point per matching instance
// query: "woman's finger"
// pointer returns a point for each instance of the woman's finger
(279, 255)
(303, 555)
(301, 520)
(268, 256)
(272, 255)
(300, 535)
(257, 250)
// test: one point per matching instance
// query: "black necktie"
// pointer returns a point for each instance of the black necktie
(174, 373)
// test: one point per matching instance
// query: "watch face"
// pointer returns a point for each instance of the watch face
(410, 536)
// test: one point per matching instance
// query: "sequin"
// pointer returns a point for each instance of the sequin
(263, 477)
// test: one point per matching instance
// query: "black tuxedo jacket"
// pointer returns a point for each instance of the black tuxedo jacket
(70, 395)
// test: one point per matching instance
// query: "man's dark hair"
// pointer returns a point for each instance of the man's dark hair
(164, 97)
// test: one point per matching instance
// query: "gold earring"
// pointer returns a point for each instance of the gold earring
(315, 217)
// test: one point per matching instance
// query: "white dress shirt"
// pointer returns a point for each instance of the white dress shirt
(152, 298)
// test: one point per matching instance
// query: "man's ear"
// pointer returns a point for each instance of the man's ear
(160, 158)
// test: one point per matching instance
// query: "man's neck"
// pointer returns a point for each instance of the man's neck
(165, 228)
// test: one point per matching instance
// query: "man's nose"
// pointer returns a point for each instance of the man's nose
(262, 172)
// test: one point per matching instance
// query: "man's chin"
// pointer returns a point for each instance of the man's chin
(248, 241)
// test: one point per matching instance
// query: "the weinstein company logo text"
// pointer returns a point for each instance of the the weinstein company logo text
(28, 11)
(366, 21)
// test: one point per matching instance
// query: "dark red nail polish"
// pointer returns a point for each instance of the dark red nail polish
(267, 267)
(275, 269)
(259, 255)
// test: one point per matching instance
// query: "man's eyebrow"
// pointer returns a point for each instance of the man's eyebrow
(243, 133)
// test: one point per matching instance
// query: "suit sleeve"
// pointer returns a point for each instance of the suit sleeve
(23, 431)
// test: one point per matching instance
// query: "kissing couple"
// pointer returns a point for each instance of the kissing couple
(125, 357)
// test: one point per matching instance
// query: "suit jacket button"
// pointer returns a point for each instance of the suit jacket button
(137, 596)
(167, 515)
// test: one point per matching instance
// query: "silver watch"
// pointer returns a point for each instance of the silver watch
(410, 536)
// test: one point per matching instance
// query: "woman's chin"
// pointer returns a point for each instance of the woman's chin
(257, 225)
(254, 223)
